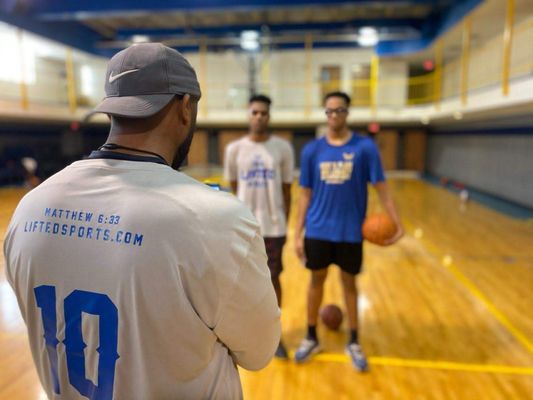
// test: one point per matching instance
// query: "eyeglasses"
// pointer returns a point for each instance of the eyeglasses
(338, 111)
(259, 112)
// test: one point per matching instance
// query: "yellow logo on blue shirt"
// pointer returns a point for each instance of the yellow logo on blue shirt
(337, 172)
(348, 156)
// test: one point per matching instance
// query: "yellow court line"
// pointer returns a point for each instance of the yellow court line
(442, 365)
(467, 283)
(492, 309)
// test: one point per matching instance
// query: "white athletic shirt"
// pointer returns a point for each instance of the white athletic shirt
(164, 279)
(260, 169)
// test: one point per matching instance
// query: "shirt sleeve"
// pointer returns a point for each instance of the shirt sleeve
(230, 163)
(306, 167)
(7, 251)
(250, 320)
(287, 166)
(375, 169)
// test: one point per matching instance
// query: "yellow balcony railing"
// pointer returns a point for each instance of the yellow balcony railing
(470, 67)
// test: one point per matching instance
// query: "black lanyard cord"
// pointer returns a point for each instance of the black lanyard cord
(114, 146)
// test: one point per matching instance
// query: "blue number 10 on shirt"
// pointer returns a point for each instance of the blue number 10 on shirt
(75, 304)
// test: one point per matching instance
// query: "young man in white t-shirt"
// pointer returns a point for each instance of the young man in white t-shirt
(259, 168)
(135, 280)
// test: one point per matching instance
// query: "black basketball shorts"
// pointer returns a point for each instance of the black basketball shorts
(322, 253)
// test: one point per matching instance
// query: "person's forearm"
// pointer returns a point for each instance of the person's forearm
(303, 205)
(233, 185)
(387, 202)
(287, 199)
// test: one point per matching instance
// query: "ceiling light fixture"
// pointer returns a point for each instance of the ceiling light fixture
(368, 36)
(140, 39)
(250, 40)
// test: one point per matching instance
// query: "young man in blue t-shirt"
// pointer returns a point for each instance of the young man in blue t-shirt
(335, 171)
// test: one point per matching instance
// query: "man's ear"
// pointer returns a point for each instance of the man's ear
(185, 110)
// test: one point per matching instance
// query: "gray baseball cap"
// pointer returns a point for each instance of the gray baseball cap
(143, 78)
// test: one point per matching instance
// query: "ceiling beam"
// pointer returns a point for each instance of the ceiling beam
(294, 40)
(68, 33)
(83, 9)
(434, 27)
(411, 25)
(36, 15)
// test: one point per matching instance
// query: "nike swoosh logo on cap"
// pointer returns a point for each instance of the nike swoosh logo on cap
(113, 78)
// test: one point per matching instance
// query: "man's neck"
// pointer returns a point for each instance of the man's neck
(258, 136)
(141, 143)
(338, 137)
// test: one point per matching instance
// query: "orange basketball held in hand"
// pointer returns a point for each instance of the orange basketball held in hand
(379, 227)
(331, 316)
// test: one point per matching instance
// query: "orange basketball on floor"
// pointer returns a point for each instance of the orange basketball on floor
(379, 227)
(331, 316)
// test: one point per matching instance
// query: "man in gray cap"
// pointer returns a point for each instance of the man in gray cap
(136, 281)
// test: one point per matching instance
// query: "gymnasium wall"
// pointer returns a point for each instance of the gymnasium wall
(499, 164)
(281, 74)
(400, 149)
(43, 64)
(485, 57)
(56, 146)
(395, 93)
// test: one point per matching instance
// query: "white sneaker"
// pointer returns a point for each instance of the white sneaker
(307, 348)
(357, 356)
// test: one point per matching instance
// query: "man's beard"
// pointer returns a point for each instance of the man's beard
(183, 150)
